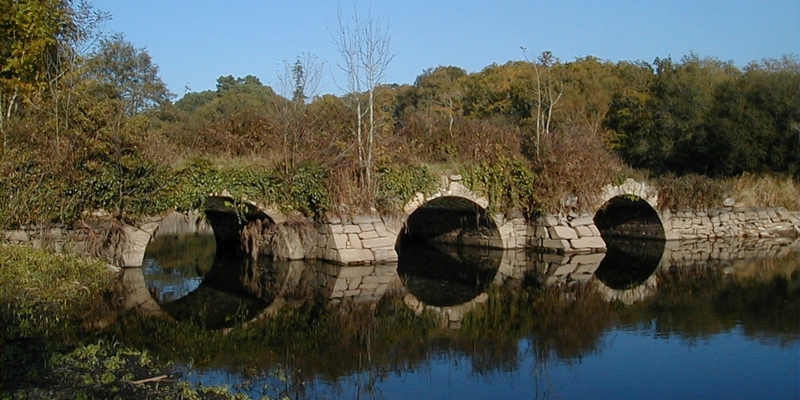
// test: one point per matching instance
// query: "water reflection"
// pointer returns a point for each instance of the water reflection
(175, 264)
(444, 275)
(538, 320)
(193, 280)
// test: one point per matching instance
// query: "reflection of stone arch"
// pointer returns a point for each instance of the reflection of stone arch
(136, 295)
(631, 295)
(450, 316)
(640, 197)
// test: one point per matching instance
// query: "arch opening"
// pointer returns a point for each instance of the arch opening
(227, 220)
(629, 262)
(449, 252)
(453, 220)
(635, 240)
(629, 216)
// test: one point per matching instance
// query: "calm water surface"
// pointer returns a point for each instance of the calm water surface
(646, 320)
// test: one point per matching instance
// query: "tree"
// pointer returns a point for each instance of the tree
(128, 74)
(298, 84)
(549, 92)
(665, 130)
(440, 92)
(30, 32)
(364, 47)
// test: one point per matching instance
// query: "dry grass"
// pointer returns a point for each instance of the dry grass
(574, 164)
(766, 191)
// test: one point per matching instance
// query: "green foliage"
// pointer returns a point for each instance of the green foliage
(127, 74)
(705, 116)
(42, 294)
(508, 183)
(193, 182)
(396, 185)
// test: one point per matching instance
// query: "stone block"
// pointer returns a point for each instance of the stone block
(386, 270)
(593, 242)
(555, 258)
(367, 227)
(385, 255)
(351, 229)
(581, 276)
(541, 232)
(562, 232)
(376, 279)
(353, 283)
(340, 285)
(560, 244)
(588, 259)
(355, 256)
(380, 229)
(378, 242)
(368, 287)
(365, 219)
(336, 228)
(581, 221)
(350, 272)
(353, 241)
(587, 268)
(565, 269)
(17, 236)
(505, 229)
(368, 235)
(337, 241)
(583, 231)
(548, 221)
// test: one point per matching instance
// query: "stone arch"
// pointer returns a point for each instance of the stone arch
(620, 206)
(229, 225)
(454, 220)
(453, 195)
(227, 218)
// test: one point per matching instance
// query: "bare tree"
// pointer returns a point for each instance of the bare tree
(298, 84)
(548, 94)
(364, 47)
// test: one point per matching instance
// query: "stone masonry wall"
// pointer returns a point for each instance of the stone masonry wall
(734, 221)
(566, 234)
(359, 240)
(121, 245)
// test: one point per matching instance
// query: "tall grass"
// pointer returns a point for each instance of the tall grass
(766, 191)
(44, 294)
(699, 192)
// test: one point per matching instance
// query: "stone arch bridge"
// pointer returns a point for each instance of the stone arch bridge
(456, 215)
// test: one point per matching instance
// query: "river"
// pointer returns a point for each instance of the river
(648, 319)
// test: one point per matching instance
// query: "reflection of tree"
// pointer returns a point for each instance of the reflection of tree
(314, 340)
(761, 296)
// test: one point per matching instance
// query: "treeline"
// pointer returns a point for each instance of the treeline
(87, 123)
(699, 115)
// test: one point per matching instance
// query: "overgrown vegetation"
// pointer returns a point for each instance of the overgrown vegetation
(700, 192)
(44, 294)
(87, 124)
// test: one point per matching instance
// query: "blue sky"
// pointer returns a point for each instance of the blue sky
(195, 41)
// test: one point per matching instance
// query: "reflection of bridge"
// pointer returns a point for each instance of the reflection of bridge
(296, 281)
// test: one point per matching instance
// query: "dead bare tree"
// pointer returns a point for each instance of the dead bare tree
(364, 47)
(548, 94)
(297, 84)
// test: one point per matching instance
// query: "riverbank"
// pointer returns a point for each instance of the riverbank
(48, 349)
